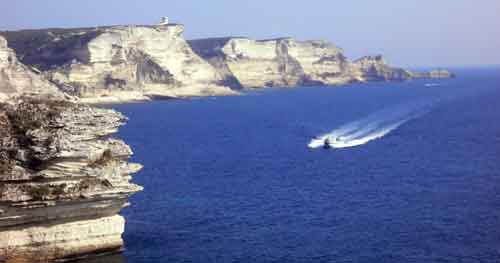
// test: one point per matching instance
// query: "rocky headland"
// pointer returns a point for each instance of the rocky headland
(63, 180)
(119, 63)
(289, 63)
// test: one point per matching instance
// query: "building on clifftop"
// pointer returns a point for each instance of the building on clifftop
(163, 21)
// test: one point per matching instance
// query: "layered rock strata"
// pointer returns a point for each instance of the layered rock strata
(124, 63)
(63, 180)
(274, 63)
(287, 63)
(375, 68)
(17, 78)
(262, 63)
(119, 63)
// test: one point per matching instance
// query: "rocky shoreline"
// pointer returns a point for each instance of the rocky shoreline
(63, 178)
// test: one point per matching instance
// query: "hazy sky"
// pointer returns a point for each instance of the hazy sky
(407, 32)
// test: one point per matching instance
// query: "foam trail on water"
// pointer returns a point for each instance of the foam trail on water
(372, 127)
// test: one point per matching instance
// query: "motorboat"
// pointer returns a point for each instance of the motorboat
(327, 144)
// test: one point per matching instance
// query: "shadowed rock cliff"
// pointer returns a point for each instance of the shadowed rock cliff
(63, 180)
(17, 78)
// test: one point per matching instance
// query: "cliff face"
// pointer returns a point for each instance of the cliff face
(62, 181)
(288, 63)
(374, 68)
(119, 63)
(123, 63)
(247, 63)
(17, 78)
(262, 63)
(322, 62)
(275, 62)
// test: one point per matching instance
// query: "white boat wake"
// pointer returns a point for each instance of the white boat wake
(372, 127)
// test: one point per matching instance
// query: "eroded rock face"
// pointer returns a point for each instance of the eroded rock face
(120, 62)
(262, 63)
(288, 63)
(242, 62)
(321, 61)
(374, 68)
(275, 62)
(126, 63)
(17, 78)
(62, 180)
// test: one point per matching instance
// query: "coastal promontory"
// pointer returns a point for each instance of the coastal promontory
(63, 180)
(118, 63)
(286, 62)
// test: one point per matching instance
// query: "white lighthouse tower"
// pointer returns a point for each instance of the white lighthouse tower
(163, 21)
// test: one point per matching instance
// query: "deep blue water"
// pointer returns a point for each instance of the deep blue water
(231, 179)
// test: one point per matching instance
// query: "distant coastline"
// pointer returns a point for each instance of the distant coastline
(115, 64)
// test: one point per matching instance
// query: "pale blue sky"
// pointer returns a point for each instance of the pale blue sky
(407, 32)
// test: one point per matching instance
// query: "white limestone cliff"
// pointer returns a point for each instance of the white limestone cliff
(375, 68)
(126, 63)
(17, 78)
(287, 62)
(321, 61)
(62, 181)
(120, 63)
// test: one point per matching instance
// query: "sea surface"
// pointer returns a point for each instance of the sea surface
(414, 178)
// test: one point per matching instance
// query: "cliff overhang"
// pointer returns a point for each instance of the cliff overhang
(63, 180)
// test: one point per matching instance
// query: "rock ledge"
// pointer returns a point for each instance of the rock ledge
(63, 180)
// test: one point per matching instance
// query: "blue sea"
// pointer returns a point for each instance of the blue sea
(416, 177)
